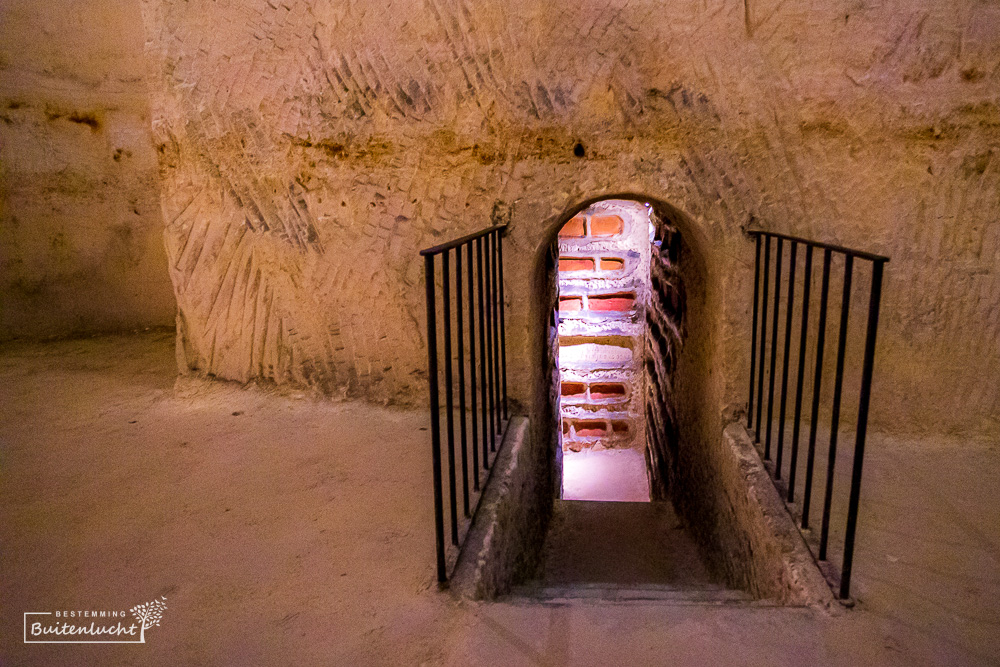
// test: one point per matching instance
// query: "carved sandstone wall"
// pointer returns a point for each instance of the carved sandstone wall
(308, 149)
(81, 230)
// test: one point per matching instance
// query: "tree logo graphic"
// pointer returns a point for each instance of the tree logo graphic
(148, 615)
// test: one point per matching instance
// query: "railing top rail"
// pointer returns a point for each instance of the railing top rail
(826, 246)
(435, 250)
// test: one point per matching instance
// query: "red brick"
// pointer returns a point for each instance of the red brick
(589, 427)
(572, 229)
(612, 264)
(576, 264)
(606, 225)
(601, 390)
(569, 304)
(572, 388)
(612, 302)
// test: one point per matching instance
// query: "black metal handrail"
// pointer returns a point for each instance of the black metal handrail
(484, 277)
(760, 299)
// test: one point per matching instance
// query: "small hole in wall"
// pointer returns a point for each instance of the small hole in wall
(578, 150)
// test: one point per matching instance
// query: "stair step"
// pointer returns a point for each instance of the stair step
(617, 594)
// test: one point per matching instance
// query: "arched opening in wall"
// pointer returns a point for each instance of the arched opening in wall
(614, 343)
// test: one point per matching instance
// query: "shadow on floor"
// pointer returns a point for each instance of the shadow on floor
(619, 551)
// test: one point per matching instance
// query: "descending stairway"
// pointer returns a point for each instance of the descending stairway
(622, 552)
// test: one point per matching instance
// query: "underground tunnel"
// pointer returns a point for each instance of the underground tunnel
(614, 334)
(621, 481)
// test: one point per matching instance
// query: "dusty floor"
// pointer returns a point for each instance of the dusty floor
(284, 530)
(620, 543)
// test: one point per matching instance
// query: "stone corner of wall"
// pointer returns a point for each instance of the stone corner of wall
(508, 527)
(795, 577)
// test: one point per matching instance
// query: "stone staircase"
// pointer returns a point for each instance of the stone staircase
(622, 553)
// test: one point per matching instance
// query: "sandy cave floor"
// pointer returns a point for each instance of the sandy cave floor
(287, 530)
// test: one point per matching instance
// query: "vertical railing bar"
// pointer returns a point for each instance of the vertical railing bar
(472, 371)
(817, 382)
(460, 356)
(432, 382)
(503, 328)
(448, 394)
(763, 335)
(774, 346)
(494, 241)
(859, 443)
(753, 330)
(800, 376)
(784, 367)
(488, 300)
(845, 307)
(482, 354)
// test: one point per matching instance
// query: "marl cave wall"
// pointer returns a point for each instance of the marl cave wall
(81, 233)
(309, 149)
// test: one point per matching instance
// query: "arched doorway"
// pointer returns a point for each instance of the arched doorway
(614, 273)
(642, 304)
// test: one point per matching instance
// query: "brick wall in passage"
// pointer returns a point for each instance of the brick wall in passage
(602, 274)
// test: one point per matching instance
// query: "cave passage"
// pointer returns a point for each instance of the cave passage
(614, 533)
(603, 282)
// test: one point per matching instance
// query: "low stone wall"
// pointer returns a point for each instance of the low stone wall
(509, 526)
(755, 537)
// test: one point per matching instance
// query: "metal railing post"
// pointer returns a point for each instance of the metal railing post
(483, 358)
(495, 293)
(859, 444)
(824, 295)
(491, 384)
(763, 335)
(774, 348)
(449, 402)
(838, 385)
(753, 329)
(800, 375)
(503, 328)
(460, 340)
(432, 382)
(784, 365)
(472, 371)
